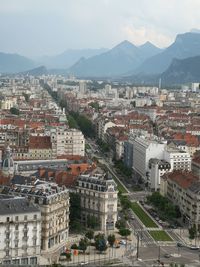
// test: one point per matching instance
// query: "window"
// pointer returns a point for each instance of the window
(24, 261)
(25, 217)
(7, 252)
(16, 218)
(8, 219)
(35, 217)
(16, 227)
(33, 260)
(34, 242)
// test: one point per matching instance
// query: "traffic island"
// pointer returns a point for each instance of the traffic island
(160, 235)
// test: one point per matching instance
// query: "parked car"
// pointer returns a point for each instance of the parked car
(122, 242)
(194, 247)
(167, 255)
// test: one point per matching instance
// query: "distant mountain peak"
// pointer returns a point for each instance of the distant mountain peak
(125, 44)
(148, 44)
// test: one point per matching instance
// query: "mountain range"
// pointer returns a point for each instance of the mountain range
(11, 63)
(69, 57)
(185, 45)
(174, 63)
(117, 61)
(182, 71)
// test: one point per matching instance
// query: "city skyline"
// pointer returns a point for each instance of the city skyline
(35, 28)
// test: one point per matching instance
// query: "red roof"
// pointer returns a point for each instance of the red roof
(183, 179)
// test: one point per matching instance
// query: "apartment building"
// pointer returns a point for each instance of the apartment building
(143, 150)
(183, 189)
(196, 165)
(40, 147)
(20, 231)
(157, 168)
(53, 202)
(67, 142)
(178, 159)
(98, 195)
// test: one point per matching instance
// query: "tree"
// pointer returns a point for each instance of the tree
(14, 111)
(124, 232)
(111, 240)
(192, 232)
(120, 224)
(100, 243)
(83, 244)
(75, 212)
(90, 235)
(74, 246)
(125, 202)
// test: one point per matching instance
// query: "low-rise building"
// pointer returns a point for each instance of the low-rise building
(98, 195)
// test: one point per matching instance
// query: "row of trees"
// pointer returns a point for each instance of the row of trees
(123, 169)
(164, 206)
(103, 146)
(100, 241)
(81, 121)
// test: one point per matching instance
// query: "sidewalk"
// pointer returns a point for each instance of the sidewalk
(184, 234)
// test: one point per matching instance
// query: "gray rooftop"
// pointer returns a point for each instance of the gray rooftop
(16, 205)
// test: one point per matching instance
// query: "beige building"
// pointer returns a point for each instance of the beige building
(98, 195)
(67, 142)
(183, 189)
(53, 202)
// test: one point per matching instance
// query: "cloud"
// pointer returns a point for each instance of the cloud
(36, 27)
(140, 35)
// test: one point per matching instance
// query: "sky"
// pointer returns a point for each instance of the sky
(36, 28)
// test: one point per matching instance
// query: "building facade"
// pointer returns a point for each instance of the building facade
(98, 199)
(53, 202)
(157, 169)
(143, 150)
(178, 159)
(20, 231)
(183, 189)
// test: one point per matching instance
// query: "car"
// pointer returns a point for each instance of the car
(122, 242)
(194, 248)
(167, 255)
(180, 244)
(82, 263)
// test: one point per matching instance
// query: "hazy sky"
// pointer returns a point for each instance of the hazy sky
(47, 27)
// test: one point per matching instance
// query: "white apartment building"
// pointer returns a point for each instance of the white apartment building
(20, 231)
(67, 142)
(53, 202)
(143, 150)
(98, 195)
(157, 169)
(178, 159)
